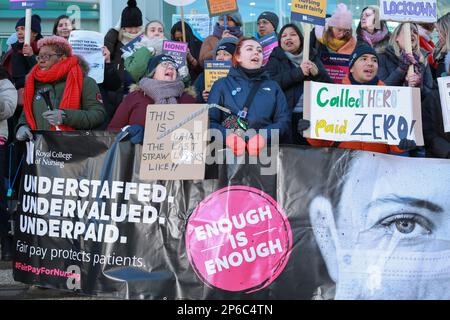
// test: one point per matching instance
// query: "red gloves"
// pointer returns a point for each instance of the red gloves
(237, 144)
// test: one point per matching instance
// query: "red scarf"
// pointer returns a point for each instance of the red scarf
(72, 93)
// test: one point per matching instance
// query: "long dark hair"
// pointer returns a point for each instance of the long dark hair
(296, 29)
(55, 25)
(194, 43)
(3, 73)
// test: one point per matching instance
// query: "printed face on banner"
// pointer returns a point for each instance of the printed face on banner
(363, 113)
(391, 242)
(238, 239)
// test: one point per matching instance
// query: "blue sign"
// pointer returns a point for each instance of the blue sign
(33, 4)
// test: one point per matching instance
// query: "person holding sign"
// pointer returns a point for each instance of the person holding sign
(162, 85)
(255, 102)
(58, 93)
(394, 62)
(371, 30)
(233, 30)
(336, 36)
(63, 27)
(287, 67)
(363, 71)
(150, 46)
(223, 52)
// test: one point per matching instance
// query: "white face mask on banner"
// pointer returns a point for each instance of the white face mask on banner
(392, 241)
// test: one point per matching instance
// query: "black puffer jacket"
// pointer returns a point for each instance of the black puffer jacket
(437, 142)
(291, 78)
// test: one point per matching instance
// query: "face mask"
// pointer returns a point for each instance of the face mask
(388, 271)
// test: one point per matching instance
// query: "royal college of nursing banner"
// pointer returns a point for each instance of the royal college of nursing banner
(330, 224)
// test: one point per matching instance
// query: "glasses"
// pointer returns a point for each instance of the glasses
(167, 65)
(46, 57)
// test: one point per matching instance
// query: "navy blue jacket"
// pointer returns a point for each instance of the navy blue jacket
(268, 110)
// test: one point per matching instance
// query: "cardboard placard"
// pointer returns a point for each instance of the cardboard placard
(88, 44)
(177, 50)
(214, 70)
(268, 43)
(175, 142)
(444, 92)
(409, 11)
(378, 114)
(221, 7)
(309, 11)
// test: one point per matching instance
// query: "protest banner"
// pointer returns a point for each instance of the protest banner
(409, 11)
(221, 7)
(87, 224)
(201, 24)
(177, 50)
(89, 44)
(363, 113)
(30, 4)
(268, 43)
(181, 4)
(214, 70)
(174, 142)
(444, 93)
(308, 12)
(336, 65)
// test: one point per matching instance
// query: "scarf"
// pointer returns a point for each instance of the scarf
(418, 67)
(235, 31)
(334, 44)
(374, 38)
(296, 59)
(72, 92)
(126, 37)
(252, 74)
(162, 92)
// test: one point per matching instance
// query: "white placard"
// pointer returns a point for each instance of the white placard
(409, 11)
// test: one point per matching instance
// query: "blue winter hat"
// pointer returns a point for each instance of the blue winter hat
(359, 51)
(155, 61)
(35, 23)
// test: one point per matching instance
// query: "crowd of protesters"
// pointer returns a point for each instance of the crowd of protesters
(44, 86)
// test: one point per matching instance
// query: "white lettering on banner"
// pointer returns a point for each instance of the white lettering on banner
(40, 201)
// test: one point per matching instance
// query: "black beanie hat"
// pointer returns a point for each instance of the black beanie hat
(35, 23)
(227, 46)
(155, 61)
(359, 51)
(131, 15)
(271, 17)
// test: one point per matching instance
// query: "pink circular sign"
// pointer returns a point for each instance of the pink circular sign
(238, 239)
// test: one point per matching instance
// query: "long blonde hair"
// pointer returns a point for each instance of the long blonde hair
(393, 41)
(443, 25)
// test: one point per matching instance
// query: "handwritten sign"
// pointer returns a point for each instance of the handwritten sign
(363, 113)
(444, 92)
(221, 7)
(268, 43)
(30, 4)
(214, 70)
(174, 142)
(408, 11)
(336, 65)
(177, 50)
(309, 11)
(88, 44)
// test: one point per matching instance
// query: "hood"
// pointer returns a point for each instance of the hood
(83, 65)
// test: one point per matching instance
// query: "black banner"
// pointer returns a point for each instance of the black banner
(329, 224)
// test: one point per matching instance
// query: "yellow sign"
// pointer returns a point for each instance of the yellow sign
(214, 70)
(309, 11)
